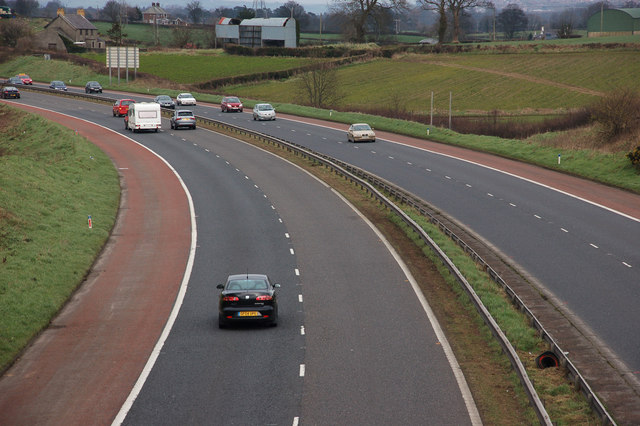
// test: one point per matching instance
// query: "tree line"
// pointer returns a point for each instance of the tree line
(369, 20)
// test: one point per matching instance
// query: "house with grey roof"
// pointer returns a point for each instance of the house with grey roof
(77, 29)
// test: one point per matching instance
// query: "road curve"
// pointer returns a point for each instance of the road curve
(68, 375)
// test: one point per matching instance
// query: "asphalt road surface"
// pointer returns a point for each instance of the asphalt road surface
(353, 345)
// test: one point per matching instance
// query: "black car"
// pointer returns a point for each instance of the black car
(58, 85)
(10, 92)
(248, 298)
(92, 87)
(165, 101)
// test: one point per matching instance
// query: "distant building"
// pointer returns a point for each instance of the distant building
(257, 32)
(614, 22)
(75, 28)
(155, 15)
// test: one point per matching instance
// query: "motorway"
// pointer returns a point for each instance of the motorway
(584, 254)
(354, 344)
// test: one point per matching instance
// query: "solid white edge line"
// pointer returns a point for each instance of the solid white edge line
(183, 286)
(487, 167)
(124, 410)
(472, 409)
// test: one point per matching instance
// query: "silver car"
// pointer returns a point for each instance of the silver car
(360, 132)
(264, 112)
(183, 118)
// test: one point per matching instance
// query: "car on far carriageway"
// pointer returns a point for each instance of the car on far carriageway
(264, 112)
(183, 118)
(92, 87)
(185, 99)
(230, 103)
(247, 298)
(58, 85)
(360, 132)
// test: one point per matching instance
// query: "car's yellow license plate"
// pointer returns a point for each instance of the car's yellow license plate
(249, 314)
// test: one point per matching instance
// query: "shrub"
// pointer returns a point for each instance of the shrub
(618, 112)
(634, 156)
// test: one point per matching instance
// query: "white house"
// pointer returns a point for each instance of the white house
(257, 32)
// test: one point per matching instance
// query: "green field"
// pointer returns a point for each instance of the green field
(145, 34)
(189, 66)
(478, 81)
(51, 180)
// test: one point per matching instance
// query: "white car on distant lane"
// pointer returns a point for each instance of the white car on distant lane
(264, 112)
(185, 99)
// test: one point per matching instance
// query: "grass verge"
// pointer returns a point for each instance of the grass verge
(51, 180)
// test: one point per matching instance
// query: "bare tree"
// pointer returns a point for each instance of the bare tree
(439, 6)
(181, 36)
(196, 12)
(319, 86)
(358, 12)
(457, 7)
(26, 7)
(111, 11)
(11, 30)
(512, 19)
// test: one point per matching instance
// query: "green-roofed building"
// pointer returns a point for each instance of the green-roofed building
(614, 22)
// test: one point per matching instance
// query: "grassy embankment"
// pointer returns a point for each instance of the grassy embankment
(51, 180)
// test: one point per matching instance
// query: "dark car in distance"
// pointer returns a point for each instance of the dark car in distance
(247, 298)
(10, 92)
(92, 87)
(58, 85)
(165, 101)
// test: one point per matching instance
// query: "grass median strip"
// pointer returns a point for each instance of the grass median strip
(51, 181)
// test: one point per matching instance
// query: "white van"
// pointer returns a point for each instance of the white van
(143, 116)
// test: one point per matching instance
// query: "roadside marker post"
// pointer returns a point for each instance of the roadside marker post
(90, 224)
(559, 157)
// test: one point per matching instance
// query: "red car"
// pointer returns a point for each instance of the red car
(231, 103)
(25, 78)
(121, 107)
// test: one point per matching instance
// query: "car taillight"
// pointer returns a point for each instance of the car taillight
(264, 298)
(230, 299)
